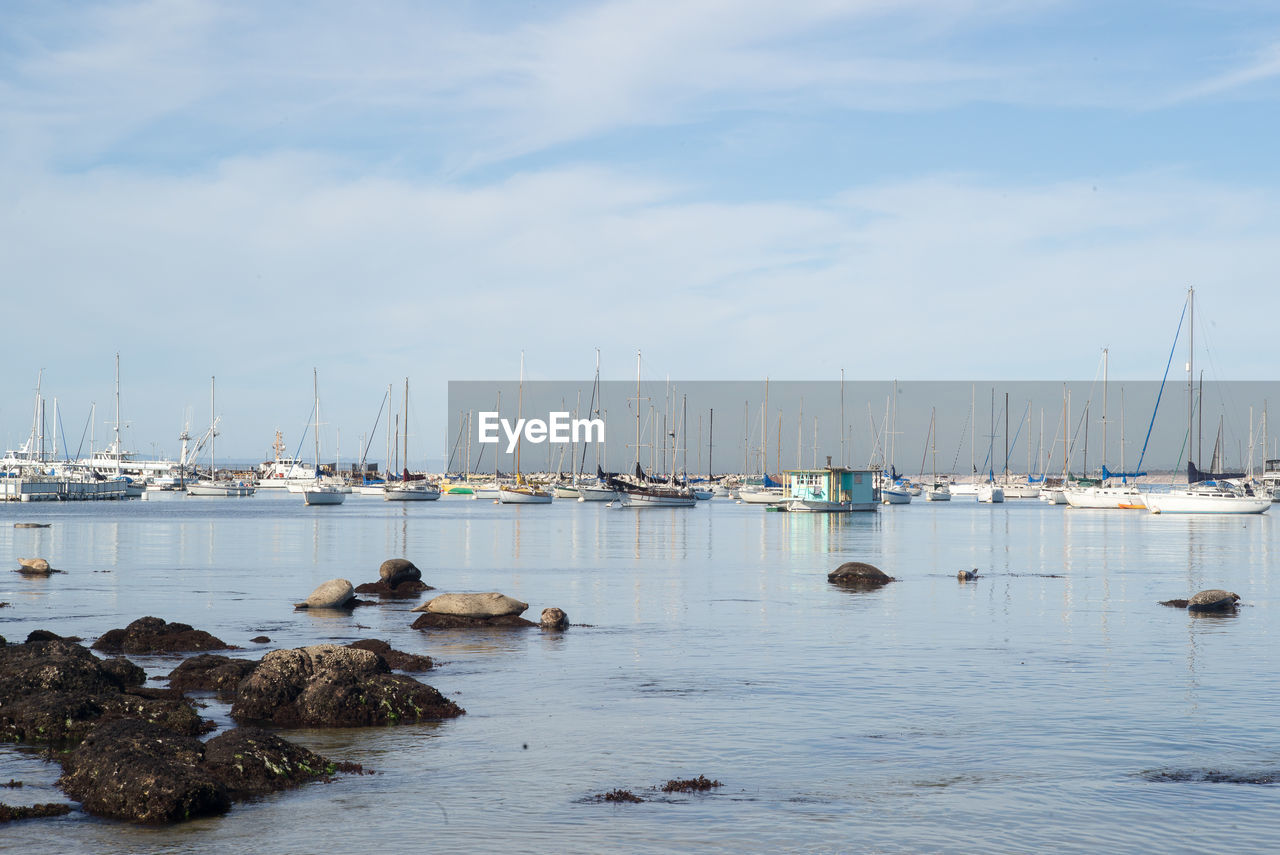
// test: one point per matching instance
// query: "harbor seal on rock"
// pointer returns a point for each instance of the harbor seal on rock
(487, 605)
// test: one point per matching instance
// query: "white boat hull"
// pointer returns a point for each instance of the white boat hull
(323, 495)
(817, 506)
(937, 495)
(410, 493)
(990, 494)
(1106, 498)
(1193, 502)
(891, 496)
(523, 496)
(220, 489)
(596, 494)
(762, 497)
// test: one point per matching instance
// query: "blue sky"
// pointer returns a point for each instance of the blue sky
(963, 190)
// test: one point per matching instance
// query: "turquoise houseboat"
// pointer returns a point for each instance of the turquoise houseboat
(833, 489)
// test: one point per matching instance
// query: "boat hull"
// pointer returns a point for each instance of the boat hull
(1190, 503)
(410, 494)
(656, 500)
(817, 506)
(220, 490)
(523, 496)
(1107, 498)
(323, 496)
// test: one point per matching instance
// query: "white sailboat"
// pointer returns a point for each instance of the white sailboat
(320, 492)
(1207, 496)
(939, 491)
(522, 493)
(640, 491)
(213, 486)
(409, 489)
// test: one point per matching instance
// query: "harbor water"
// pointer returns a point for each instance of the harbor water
(1050, 705)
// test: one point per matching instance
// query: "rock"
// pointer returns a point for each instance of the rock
(54, 692)
(397, 659)
(334, 594)
(10, 813)
(430, 620)
(153, 635)
(396, 570)
(46, 635)
(252, 762)
(331, 686)
(34, 567)
(261, 639)
(554, 618)
(967, 575)
(140, 772)
(407, 588)
(1212, 600)
(210, 672)
(855, 574)
(127, 674)
(487, 605)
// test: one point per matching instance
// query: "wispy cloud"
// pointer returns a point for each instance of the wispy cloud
(1265, 65)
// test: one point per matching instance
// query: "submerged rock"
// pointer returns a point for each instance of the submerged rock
(331, 686)
(856, 574)
(11, 813)
(334, 594)
(154, 635)
(487, 605)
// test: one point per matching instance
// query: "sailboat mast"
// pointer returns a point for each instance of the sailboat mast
(519, 414)
(315, 427)
(406, 424)
(213, 434)
(711, 433)
(1105, 355)
(117, 412)
(637, 460)
(1191, 395)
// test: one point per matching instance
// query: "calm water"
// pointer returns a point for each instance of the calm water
(1011, 714)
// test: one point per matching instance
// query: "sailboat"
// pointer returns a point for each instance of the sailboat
(1207, 496)
(1107, 496)
(643, 491)
(318, 492)
(409, 488)
(599, 490)
(225, 488)
(940, 491)
(521, 493)
(989, 492)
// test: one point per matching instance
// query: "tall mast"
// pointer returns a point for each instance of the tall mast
(387, 474)
(213, 434)
(1191, 395)
(637, 408)
(711, 434)
(406, 424)
(1105, 354)
(315, 428)
(117, 411)
(519, 415)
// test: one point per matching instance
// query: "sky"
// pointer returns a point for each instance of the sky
(941, 190)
